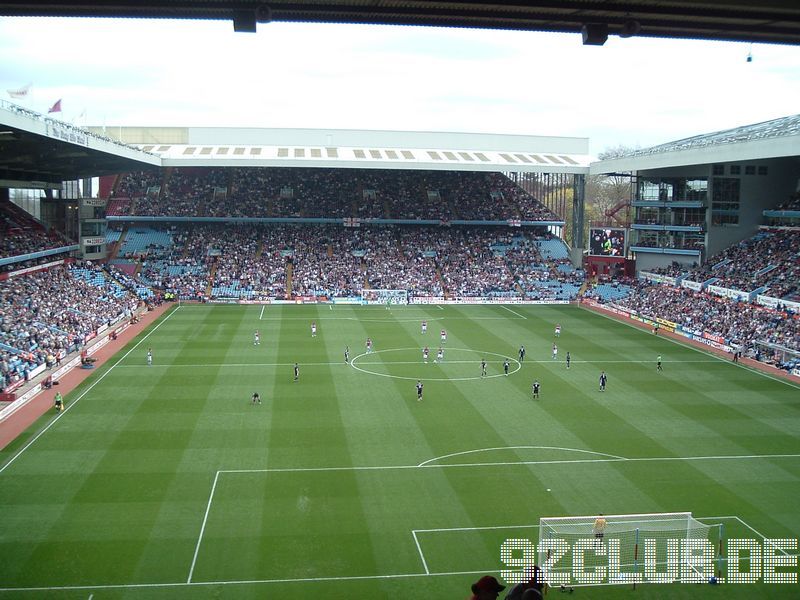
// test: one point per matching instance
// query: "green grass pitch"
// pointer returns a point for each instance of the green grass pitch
(167, 482)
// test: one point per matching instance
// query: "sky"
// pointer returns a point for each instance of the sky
(634, 92)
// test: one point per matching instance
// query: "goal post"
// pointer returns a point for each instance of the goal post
(384, 296)
(628, 549)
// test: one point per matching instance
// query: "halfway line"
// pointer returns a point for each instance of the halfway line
(408, 362)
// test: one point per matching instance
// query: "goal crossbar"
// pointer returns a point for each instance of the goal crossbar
(628, 548)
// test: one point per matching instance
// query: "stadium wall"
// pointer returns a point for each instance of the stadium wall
(648, 261)
(756, 194)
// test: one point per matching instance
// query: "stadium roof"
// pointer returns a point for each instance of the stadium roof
(767, 21)
(777, 138)
(40, 152)
(349, 148)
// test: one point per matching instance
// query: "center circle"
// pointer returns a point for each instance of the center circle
(412, 357)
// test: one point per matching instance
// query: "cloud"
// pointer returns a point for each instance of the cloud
(200, 73)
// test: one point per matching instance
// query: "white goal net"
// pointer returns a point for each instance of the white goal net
(384, 296)
(628, 549)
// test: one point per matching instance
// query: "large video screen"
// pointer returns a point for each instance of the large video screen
(607, 242)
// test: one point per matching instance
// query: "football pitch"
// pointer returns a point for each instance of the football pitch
(167, 481)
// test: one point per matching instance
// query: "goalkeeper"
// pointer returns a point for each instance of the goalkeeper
(599, 527)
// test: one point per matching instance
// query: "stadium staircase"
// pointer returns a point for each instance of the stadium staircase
(517, 208)
(260, 249)
(118, 244)
(115, 184)
(366, 286)
(289, 267)
(386, 211)
(165, 180)
(211, 274)
(330, 251)
(185, 253)
(359, 197)
(111, 276)
(440, 279)
(583, 289)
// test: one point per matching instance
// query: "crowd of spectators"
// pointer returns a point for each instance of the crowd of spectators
(329, 193)
(769, 259)
(255, 261)
(793, 203)
(45, 314)
(675, 269)
(20, 234)
(138, 184)
(740, 322)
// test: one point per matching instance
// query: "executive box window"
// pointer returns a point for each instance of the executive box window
(725, 201)
(673, 189)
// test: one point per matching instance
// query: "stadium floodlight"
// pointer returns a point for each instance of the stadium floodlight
(628, 549)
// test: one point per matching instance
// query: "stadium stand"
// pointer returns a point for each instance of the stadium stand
(326, 193)
(767, 260)
(741, 322)
(46, 314)
(20, 234)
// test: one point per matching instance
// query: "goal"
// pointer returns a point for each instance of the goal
(628, 549)
(370, 296)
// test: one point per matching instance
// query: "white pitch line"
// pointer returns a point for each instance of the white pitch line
(763, 537)
(513, 311)
(409, 362)
(421, 555)
(288, 580)
(515, 463)
(86, 391)
(238, 582)
(489, 528)
(203, 527)
(530, 526)
(261, 316)
(421, 317)
(430, 460)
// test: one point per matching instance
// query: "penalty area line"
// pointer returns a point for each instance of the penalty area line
(176, 584)
(581, 461)
(421, 555)
(203, 527)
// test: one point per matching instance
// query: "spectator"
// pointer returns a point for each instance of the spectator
(486, 588)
